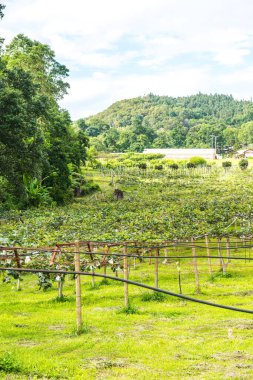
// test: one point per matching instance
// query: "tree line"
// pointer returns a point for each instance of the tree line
(40, 151)
(167, 122)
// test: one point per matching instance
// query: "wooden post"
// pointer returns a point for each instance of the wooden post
(179, 275)
(244, 245)
(60, 287)
(106, 251)
(18, 266)
(150, 256)
(125, 259)
(90, 248)
(156, 266)
(228, 249)
(208, 255)
(165, 261)
(219, 254)
(78, 290)
(195, 266)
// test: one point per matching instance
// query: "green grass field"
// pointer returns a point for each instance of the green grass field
(165, 338)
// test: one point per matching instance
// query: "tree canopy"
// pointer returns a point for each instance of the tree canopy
(39, 148)
(166, 122)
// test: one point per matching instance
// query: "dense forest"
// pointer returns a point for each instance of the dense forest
(40, 151)
(166, 122)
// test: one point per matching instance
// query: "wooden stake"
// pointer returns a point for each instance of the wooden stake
(78, 290)
(195, 266)
(106, 250)
(150, 256)
(156, 266)
(208, 255)
(165, 261)
(18, 266)
(60, 287)
(90, 248)
(125, 260)
(228, 249)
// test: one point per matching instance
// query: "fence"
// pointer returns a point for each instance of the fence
(86, 258)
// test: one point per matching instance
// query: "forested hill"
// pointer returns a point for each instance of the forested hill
(162, 121)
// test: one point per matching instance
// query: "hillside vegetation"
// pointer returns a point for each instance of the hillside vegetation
(162, 121)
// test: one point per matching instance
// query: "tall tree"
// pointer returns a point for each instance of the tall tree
(36, 137)
(39, 60)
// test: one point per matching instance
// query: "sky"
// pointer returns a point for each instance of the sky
(119, 49)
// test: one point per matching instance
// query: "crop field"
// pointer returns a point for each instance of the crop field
(158, 336)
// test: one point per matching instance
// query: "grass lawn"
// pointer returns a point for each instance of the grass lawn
(165, 339)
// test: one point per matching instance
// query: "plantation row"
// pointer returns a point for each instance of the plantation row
(115, 257)
(156, 207)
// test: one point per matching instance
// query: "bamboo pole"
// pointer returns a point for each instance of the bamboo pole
(219, 254)
(156, 266)
(90, 249)
(125, 268)
(106, 250)
(195, 266)
(18, 266)
(78, 290)
(208, 255)
(165, 261)
(228, 249)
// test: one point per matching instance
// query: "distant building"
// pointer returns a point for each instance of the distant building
(244, 153)
(184, 154)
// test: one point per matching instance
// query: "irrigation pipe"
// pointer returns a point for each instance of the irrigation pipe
(9, 256)
(231, 308)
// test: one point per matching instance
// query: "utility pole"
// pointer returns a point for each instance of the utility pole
(214, 141)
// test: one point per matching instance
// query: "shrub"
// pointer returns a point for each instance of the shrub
(226, 164)
(138, 157)
(142, 165)
(190, 165)
(89, 187)
(128, 163)
(158, 167)
(198, 161)
(173, 166)
(112, 164)
(9, 364)
(243, 163)
(36, 193)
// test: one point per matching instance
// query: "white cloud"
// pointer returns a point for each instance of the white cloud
(117, 49)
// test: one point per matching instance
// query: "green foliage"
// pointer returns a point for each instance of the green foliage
(158, 167)
(165, 122)
(37, 194)
(155, 296)
(1, 10)
(89, 188)
(130, 309)
(226, 164)
(37, 139)
(142, 165)
(173, 166)
(198, 161)
(9, 364)
(191, 165)
(44, 281)
(243, 163)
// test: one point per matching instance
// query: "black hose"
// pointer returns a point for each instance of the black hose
(132, 283)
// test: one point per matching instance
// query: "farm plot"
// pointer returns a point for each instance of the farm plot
(164, 337)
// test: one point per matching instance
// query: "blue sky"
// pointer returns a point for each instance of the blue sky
(121, 49)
